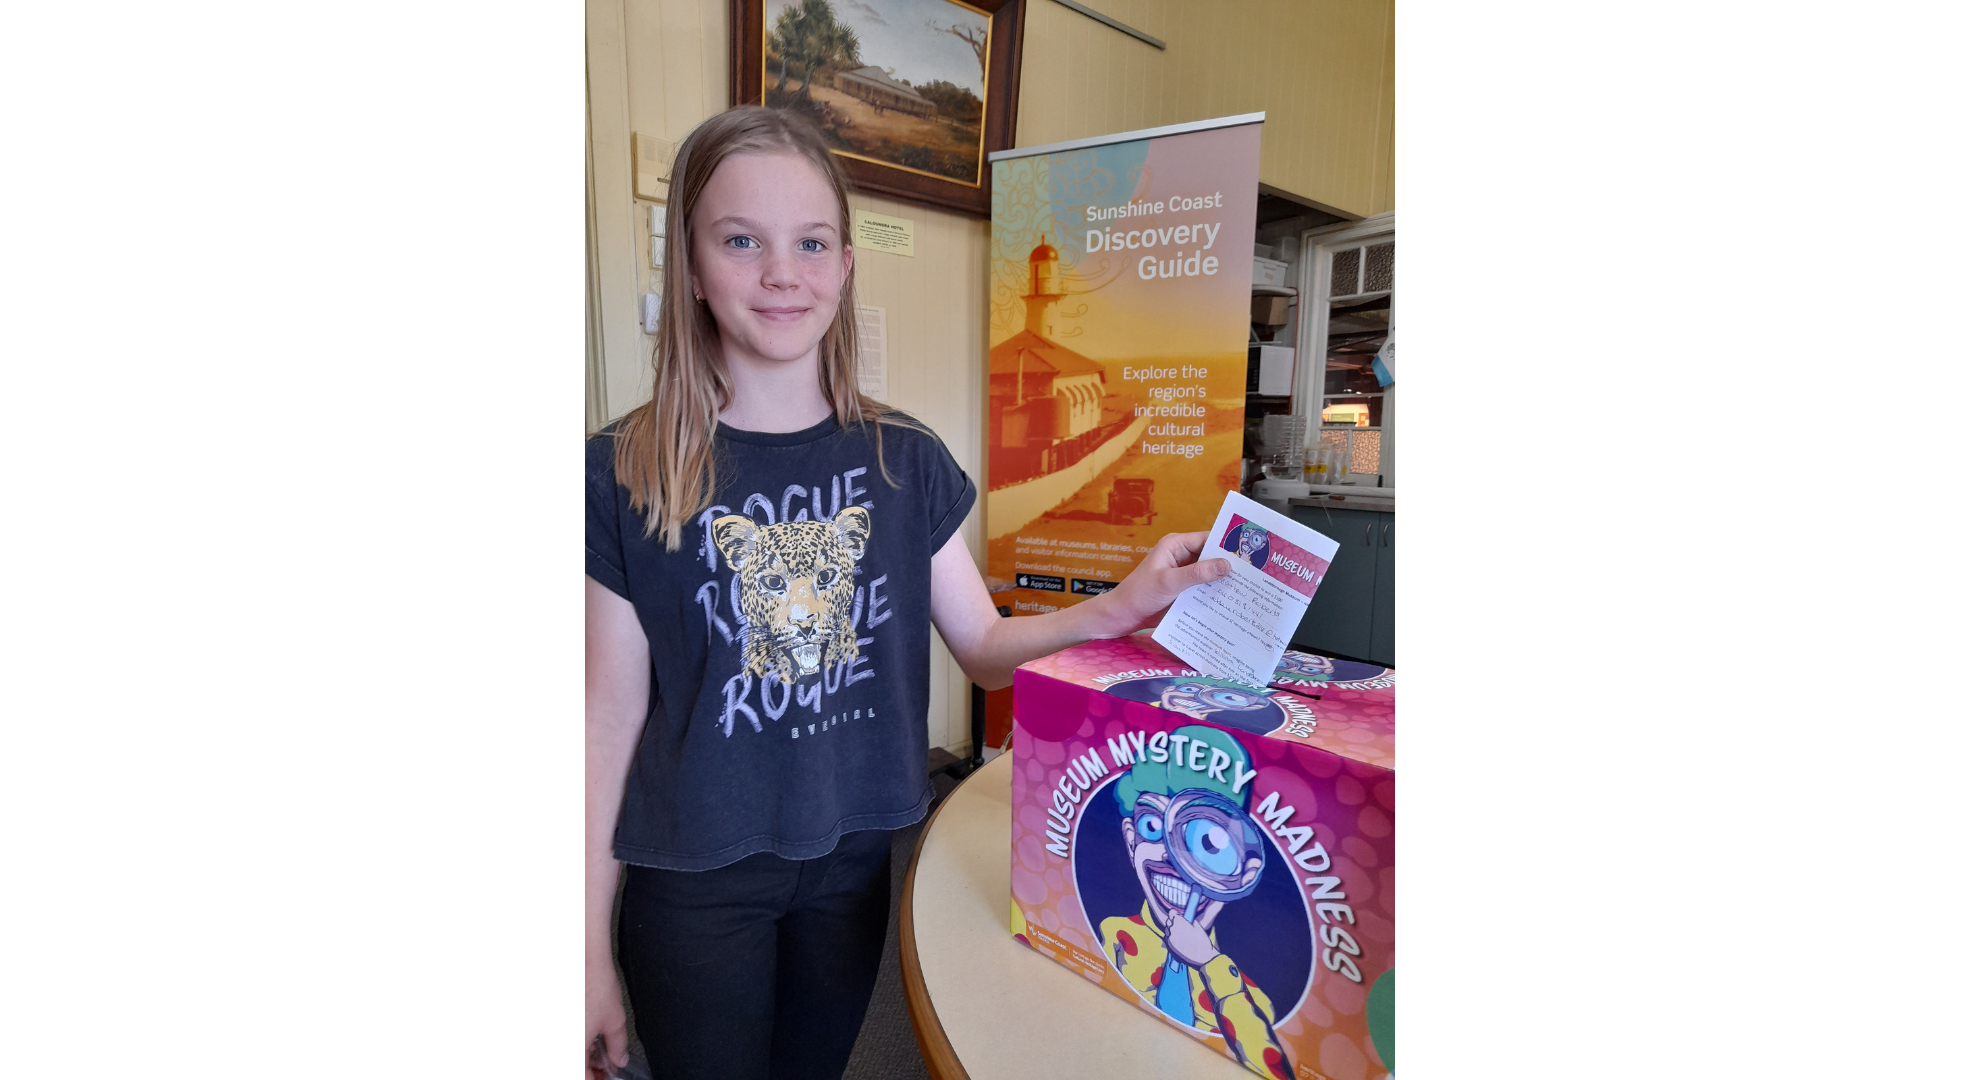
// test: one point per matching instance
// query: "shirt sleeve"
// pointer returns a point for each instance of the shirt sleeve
(1245, 1015)
(604, 548)
(951, 494)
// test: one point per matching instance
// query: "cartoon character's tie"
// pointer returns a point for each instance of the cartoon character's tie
(1172, 997)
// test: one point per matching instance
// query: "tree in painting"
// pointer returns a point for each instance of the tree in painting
(811, 37)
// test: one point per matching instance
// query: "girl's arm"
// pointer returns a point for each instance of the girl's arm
(989, 648)
(615, 703)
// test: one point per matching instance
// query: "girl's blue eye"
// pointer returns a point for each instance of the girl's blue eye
(1149, 826)
(739, 241)
(811, 245)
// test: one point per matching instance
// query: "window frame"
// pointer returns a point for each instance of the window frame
(1317, 249)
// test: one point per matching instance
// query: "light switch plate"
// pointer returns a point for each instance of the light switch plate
(653, 163)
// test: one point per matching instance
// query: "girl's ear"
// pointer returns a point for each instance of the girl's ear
(849, 260)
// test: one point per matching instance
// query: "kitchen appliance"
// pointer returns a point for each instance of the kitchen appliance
(1269, 370)
(1275, 492)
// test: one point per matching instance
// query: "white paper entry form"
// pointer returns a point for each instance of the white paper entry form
(1238, 626)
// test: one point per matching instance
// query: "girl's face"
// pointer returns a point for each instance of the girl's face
(768, 257)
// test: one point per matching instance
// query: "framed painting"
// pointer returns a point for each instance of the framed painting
(912, 95)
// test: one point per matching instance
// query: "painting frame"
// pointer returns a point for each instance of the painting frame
(1006, 38)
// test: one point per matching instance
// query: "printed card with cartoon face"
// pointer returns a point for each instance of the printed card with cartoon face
(1237, 627)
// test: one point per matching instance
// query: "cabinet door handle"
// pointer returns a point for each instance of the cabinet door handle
(1385, 536)
(1367, 534)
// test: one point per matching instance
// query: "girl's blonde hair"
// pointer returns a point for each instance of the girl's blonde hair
(664, 452)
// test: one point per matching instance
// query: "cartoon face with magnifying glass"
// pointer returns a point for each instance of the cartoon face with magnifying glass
(1312, 670)
(1195, 850)
(1304, 666)
(1249, 541)
(1200, 697)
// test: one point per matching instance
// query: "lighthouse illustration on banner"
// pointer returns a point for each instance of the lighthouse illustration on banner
(1045, 398)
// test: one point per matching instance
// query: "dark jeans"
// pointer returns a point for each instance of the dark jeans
(759, 968)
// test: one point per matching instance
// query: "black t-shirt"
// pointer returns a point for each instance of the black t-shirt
(789, 637)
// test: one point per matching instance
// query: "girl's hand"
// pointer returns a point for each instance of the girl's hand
(604, 1021)
(988, 647)
(1142, 599)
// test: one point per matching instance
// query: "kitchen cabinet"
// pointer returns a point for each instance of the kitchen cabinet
(1382, 636)
(1341, 619)
(1353, 614)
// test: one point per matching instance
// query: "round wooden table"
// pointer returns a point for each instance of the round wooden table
(986, 1007)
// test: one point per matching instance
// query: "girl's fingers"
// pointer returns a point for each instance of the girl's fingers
(1192, 543)
(1201, 572)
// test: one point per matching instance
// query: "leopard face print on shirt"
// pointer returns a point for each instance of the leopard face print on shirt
(796, 587)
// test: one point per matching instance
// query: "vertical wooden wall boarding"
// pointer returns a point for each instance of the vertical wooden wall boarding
(938, 323)
(1382, 151)
(595, 409)
(615, 212)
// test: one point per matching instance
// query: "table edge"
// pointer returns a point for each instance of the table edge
(936, 1052)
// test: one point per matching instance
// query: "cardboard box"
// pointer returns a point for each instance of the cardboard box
(1270, 310)
(1142, 791)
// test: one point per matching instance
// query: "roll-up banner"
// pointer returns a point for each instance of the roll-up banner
(1120, 291)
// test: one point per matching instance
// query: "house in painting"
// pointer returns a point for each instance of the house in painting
(882, 91)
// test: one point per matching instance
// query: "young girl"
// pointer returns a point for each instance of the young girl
(765, 550)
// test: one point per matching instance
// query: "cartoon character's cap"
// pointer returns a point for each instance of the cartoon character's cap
(1171, 776)
(1212, 682)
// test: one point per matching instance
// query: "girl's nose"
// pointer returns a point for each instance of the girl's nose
(780, 270)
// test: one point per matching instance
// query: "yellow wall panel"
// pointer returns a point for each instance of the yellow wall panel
(1382, 178)
(1320, 71)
